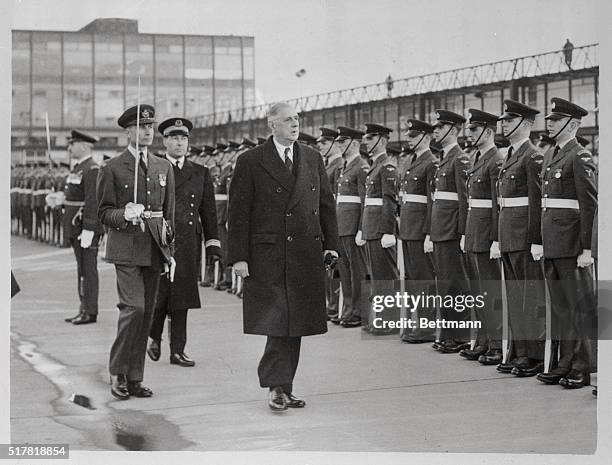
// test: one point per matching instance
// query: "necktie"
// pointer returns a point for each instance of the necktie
(510, 150)
(441, 154)
(557, 148)
(288, 162)
(141, 162)
(413, 158)
(477, 157)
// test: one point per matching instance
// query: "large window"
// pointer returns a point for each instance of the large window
(169, 74)
(139, 62)
(46, 78)
(21, 79)
(228, 73)
(198, 76)
(108, 60)
(78, 76)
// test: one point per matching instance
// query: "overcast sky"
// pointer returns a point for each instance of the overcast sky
(344, 43)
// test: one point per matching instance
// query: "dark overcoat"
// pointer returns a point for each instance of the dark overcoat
(127, 244)
(280, 224)
(196, 218)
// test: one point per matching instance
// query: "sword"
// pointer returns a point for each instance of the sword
(140, 221)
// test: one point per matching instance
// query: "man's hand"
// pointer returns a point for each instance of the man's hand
(86, 238)
(330, 258)
(585, 258)
(170, 268)
(427, 245)
(462, 243)
(358, 240)
(241, 269)
(537, 252)
(133, 211)
(494, 252)
(387, 240)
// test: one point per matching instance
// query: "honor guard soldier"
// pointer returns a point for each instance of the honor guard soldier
(332, 157)
(481, 241)
(520, 241)
(569, 203)
(140, 236)
(350, 195)
(417, 179)
(448, 216)
(378, 220)
(196, 218)
(82, 228)
(307, 139)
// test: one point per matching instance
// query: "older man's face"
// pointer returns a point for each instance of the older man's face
(286, 126)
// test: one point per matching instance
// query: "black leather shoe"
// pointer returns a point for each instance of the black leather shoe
(84, 319)
(473, 354)
(277, 400)
(119, 387)
(182, 360)
(437, 345)
(594, 392)
(294, 402)
(335, 320)
(552, 377)
(205, 284)
(154, 350)
(452, 347)
(576, 380)
(410, 339)
(505, 367)
(72, 318)
(136, 389)
(352, 322)
(492, 357)
(532, 369)
(383, 331)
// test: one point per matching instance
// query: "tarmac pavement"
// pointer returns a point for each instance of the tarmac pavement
(361, 394)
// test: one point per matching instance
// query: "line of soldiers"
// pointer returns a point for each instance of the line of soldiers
(508, 228)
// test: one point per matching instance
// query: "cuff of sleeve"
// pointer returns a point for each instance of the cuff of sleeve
(212, 243)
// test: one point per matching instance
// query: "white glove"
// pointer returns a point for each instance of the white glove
(170, 269)
(537, 251)
(333, 252)
(387, 240)
(358, 240)
(494, 252)
(585, 258)
(462, 243)
(427, 245)
(133, 211)
(86, 238)
(241, 269)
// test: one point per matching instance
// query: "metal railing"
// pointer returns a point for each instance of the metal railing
(584, 57)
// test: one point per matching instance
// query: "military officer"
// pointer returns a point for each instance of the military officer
(82, 228)
(569, 202)
(378, 220)
(196, 218)
(480, 241)
(140, 236)
(350, 194)
(221, 183)
(417, 178)
(520, 240)
(448, 216)
(307, 139)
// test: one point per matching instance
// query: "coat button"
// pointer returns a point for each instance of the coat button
(192, 196)
(126, 186)
(545, 182)
(191, 205)
(315, 211)
(289, 238)
(148, 192)
(288, 214)
(191, 213)
(279, 190)
(148, 179)
(191, 222)
(313, 188)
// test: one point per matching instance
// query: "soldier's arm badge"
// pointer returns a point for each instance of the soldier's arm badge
(162, 180)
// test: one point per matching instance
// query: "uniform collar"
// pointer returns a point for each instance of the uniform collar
(281, 149)
(141, 149)
(178, 162)
(519, 144)
(333, 157)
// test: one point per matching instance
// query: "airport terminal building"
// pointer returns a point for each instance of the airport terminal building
(85, 79)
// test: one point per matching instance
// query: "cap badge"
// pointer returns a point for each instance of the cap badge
(145, 113)
(505, 107)
(410, 124)
(553, 105)
(437, 115)
(178, 122)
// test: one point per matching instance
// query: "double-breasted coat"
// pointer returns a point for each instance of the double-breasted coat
(482, 223)
(127, 244)
(280, 224)
(196, 219)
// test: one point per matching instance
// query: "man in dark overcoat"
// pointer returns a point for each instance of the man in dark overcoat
(139, 243)
(282, 222)
(196, 216)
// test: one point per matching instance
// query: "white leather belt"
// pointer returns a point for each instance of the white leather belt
(480, 203)
(74, 203)
(220, 196)
(560, 203)
(348, 199)
(505, 202)
(444, 195)
(370, 201)
(152, 214)
(414, 198)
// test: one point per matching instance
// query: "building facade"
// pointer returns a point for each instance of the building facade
(85, 79)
